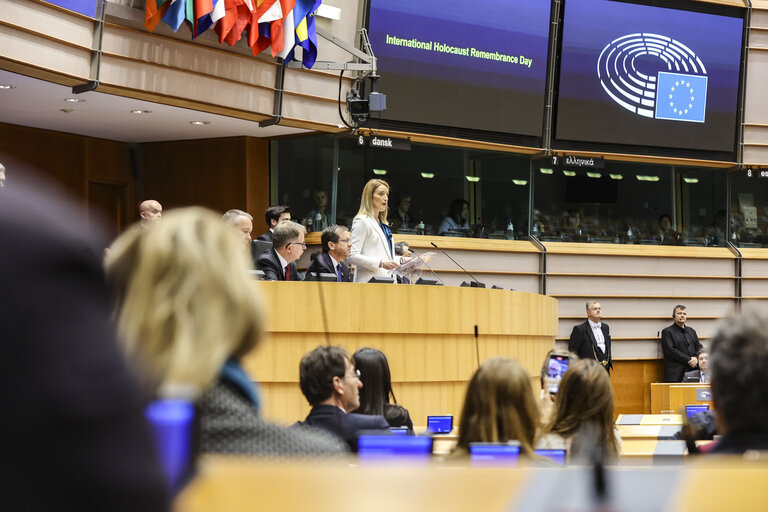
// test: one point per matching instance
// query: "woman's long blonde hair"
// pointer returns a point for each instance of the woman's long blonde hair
(584, 407)
(183, 300)
(499, 406)
(366, 200)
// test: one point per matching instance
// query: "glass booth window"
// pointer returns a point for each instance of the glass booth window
(701, 206)
(749, 208)
(622, 203)
(436, 190)
(302, 168)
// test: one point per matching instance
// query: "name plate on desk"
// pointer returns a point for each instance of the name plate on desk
(703, 395)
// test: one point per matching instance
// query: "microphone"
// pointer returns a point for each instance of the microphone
(427, 265)
(478, 283)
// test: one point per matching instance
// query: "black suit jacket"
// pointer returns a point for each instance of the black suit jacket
(269, 263)
(265, 237)
(582, 343)
(74, 435)
(345, 425)
(678, 346)
(322, 264)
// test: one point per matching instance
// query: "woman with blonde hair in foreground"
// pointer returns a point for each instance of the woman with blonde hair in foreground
(583, 422)
(499, 406)
(186, 314)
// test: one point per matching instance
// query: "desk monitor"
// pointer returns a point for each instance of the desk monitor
(690, 410)
(557, 456)
(394, 446)
(259, 247)
(496, 453)
(440, 424)
(399, 431)
(322, 276)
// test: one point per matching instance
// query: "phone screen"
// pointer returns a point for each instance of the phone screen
(556, 368)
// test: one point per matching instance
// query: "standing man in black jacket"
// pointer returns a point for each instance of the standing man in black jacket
(592, 339)
(680, 345)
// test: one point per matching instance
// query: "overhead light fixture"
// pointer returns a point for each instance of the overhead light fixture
(5, 87)
(74, 100)
(691, 180)
(379, 172)
(641, 177)
(138, 111)
(473, 179)
(428, 175)
(66, 110)
(594, 175)
(616, 176)
(569, 173)
(199, 123)
(522, 183)
(546, 171)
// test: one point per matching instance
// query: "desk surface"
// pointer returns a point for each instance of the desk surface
(649, 419)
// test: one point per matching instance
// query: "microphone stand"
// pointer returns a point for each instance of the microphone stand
(456, 262)
(427, 265)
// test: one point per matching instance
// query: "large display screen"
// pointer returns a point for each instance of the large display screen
(479, 65)
(651, 76)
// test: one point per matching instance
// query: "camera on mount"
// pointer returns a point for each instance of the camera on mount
(357, 106)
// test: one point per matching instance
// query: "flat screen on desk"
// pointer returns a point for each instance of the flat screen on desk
(494, 453)
(479, 65)
(555, 455)
(651, 76)
(388, 446)
(690, 410)
(440, 424)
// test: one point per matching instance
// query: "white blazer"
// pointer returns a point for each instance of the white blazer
(369, 248)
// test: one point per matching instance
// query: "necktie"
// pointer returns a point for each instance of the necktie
(287, 272)
(338, 272)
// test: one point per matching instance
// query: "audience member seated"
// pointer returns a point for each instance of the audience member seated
(186, 316)
(242, 221)
(664, 232)
(738, 362)
(548, 381)
(150, 211)
(317, 219)
(278, 263)
(274, 216)
(702, 374)
(73, 434)
(457, 219)
(582, 422)
(399, 217)
(499, 406)
(377, 388)
(403, 249)
(331, 385)
(335, 241)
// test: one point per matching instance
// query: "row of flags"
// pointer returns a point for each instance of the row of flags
(279, 24)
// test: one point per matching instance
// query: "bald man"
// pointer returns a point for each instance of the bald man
(150, 211)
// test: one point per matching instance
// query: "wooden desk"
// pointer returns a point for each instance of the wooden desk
(649, 419)
(427, 333)
(671, 397)
(655, 432)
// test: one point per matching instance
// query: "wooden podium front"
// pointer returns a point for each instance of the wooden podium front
(427, 333)
(670, 397)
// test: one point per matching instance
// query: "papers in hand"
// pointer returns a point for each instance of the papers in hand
(415, 262)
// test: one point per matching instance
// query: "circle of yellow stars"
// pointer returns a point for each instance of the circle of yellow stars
(687, 85)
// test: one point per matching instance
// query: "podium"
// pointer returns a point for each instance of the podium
(426, 332)
(670, 397)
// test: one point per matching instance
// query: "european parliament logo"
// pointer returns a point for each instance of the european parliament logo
(677, 94)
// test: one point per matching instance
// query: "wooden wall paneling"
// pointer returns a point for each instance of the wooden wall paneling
(208, 172)
(632, 385)
(257, 180)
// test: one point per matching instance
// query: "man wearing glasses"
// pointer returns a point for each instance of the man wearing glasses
(278, 263)
(336, 245)
(331, 385)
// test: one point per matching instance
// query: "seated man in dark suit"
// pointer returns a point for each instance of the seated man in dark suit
(336, 245)
(331, 384)
(287, 247)
(739, 357)
(702, 374)
(274, 216)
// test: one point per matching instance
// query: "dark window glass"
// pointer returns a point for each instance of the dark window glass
(749, 208)
(701, 207)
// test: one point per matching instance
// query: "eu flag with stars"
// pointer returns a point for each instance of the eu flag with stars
(681, 97)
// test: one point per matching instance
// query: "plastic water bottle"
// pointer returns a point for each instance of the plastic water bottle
(317, 225)
(420, 227)
(629, 234)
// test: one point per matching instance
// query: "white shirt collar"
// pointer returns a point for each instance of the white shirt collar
(335, 263)
(283, 261)
(594, 325)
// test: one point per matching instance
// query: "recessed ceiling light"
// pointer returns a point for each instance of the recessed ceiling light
(691, 180)
(593, 175)
(141, 111)
(379, 172)
(199, 123)
(521, 183)
(616, 176)
(74, 100)
(428, 175)
(546, 171)
(473, 179)
(7, 86)
(66, 110)
(570, 174)
(641, 177)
